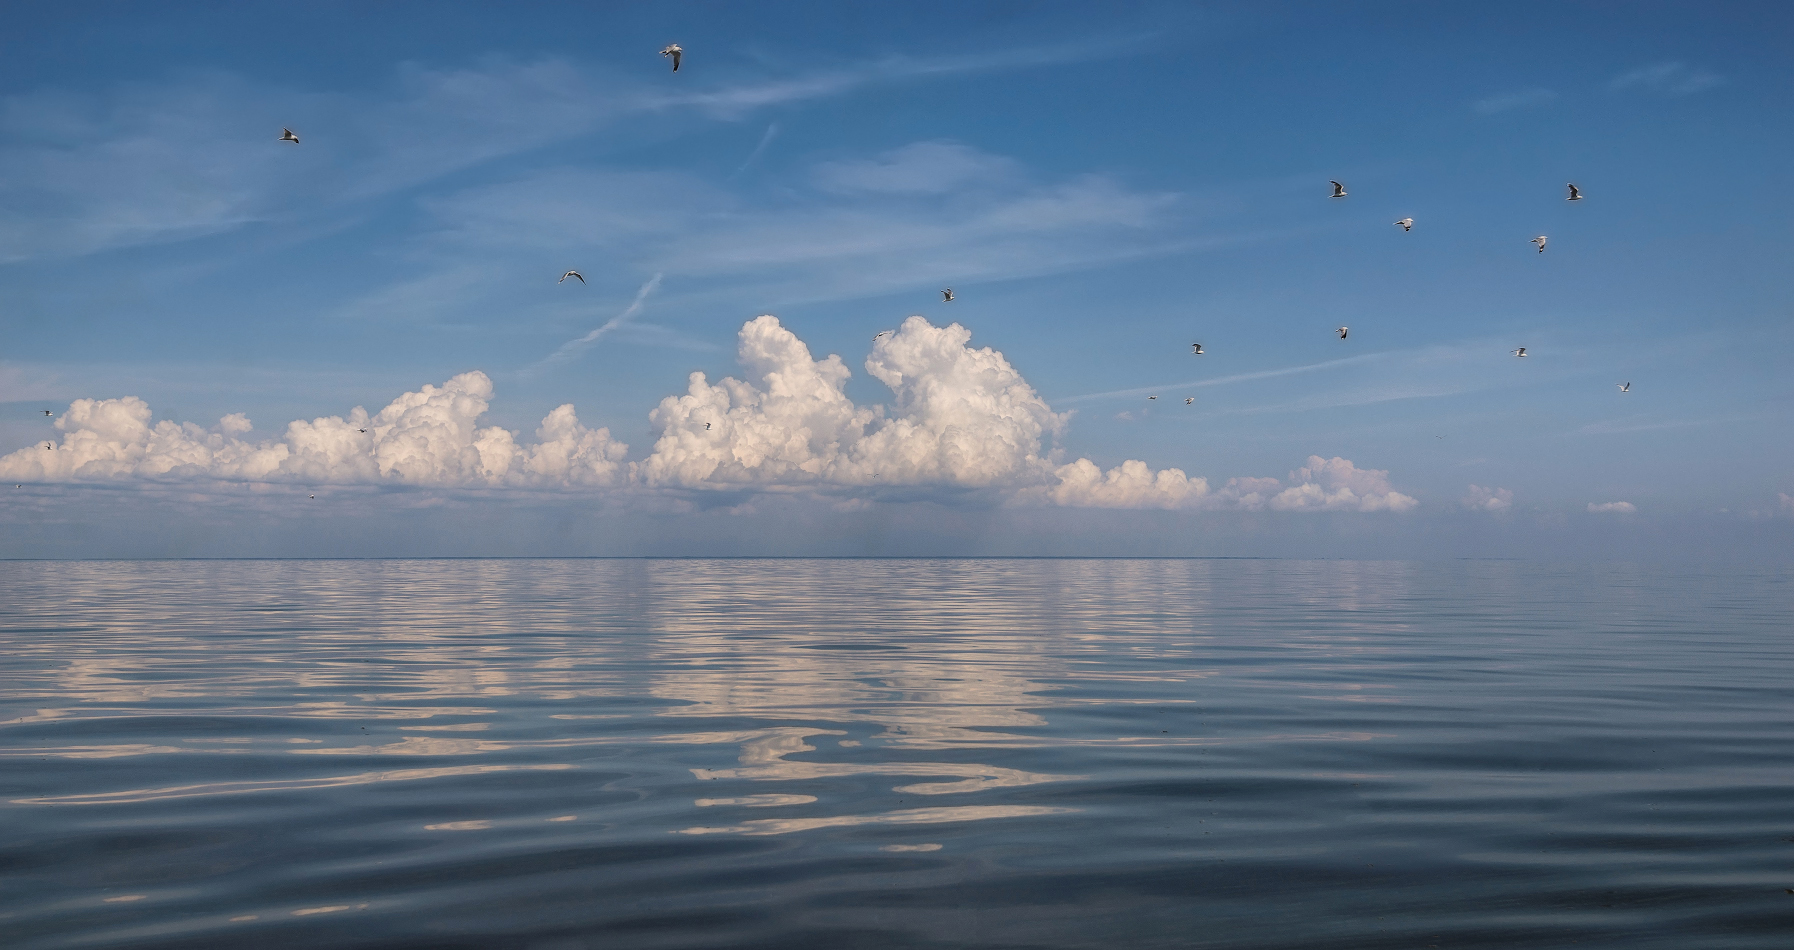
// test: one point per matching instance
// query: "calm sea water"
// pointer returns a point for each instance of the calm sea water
(928, 753)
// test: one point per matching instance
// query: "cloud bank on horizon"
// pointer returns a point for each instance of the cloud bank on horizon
(961, 419)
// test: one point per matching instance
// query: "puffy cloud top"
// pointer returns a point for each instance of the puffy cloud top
(959, 418)
(427, 437)
(1479, 498)
(962, 417)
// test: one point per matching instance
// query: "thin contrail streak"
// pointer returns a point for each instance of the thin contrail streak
(1221, 380)
(572, 348)
(772, 132)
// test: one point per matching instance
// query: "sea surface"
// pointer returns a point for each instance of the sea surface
(895, 753)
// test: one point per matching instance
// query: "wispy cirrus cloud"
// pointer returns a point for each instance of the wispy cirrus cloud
(1672, 78)
(154, 164)
(1509, 101)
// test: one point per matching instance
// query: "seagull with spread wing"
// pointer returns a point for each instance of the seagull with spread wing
(571, 273)
(1575, 192)
(1338, 190)
(673, 50)
(1407, 224)
(1540, 241)
(286, 135)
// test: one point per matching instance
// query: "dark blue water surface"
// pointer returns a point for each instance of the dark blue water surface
(928, 753)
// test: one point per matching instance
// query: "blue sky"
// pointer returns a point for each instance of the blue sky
(1100, 190)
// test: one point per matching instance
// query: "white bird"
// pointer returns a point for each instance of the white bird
(571, 273)
(1406, 223)
(879, 334)
(311, 496)
(1540, 241)
(1575, 192)
(1152, 397)
(673, 50)
(1342, 332)
(1196, 348)
(361, 430)
(1521, 352)
(1625, 387)
(1190, 400)
(286, 135)
(48, 412)
(947, 295)
(50, 446)
(1338, 190)
(706, 427)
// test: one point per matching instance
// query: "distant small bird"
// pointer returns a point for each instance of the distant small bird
(49, 412)
(286, 135)
(1575, 192)
(1196, 348)
(1338, 190)
(1342, 332)
(880, 333)
(1406, 223)
(360, 430)
(1152, 397)
(1521, 352)
(50, 446)
(1540, 241)
(673, 50)
(1625, 387)
(1189, 401)
(706, 427)
(947, 295)
(311, 496)
(571, 273)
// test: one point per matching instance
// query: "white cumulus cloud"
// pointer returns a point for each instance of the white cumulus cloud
(959, 418)
(1479, 498)
(429, 437)
(1336, 484)
(1612, 507)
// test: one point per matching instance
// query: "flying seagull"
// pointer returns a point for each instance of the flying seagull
(1196, 348)
(360, 430)
(1342, 332)
(1625, 387)
(1575, 192)
(1540, 241)
(879, 334)
(1406, 223)
(1152, 397)
(1521, 352)
(1338, 190)
(286, 135)
(49, 412)
(311, 496)
(947, 295)
(50, 446)
(1189, 400)
(673, 50)
(706, 427)
(571, 273)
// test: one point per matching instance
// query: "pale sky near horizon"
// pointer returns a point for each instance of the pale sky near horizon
(1100, 189)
